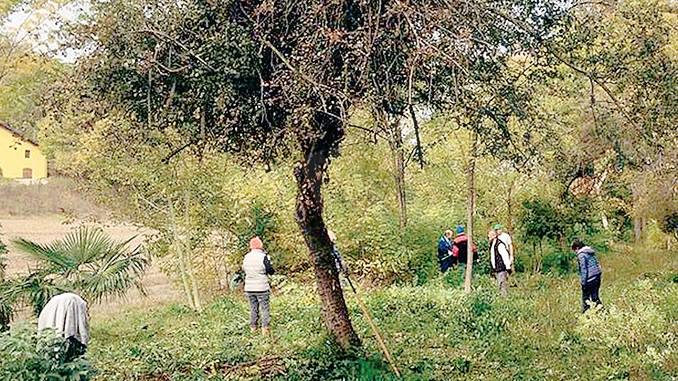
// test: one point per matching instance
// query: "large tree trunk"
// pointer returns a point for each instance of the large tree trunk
(309, 175)
(470, 213)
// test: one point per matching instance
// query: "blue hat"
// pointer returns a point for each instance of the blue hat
(460, 229)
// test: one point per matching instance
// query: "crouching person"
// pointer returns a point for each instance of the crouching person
(589, 274)
(257, 268)
(67, 314)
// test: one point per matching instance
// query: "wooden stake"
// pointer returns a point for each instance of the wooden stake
(374, 328)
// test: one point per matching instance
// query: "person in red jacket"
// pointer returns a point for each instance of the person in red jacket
(460, 250)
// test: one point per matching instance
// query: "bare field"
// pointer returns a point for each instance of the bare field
(44, 229)
(57, 195)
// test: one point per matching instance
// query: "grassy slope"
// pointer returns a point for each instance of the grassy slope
(435, 333)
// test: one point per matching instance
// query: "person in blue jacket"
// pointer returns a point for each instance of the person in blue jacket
(590, 273)
(445, 257)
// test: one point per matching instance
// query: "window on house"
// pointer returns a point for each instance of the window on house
(27, 153)
(27, 173)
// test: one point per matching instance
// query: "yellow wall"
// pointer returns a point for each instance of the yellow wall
(13, 160)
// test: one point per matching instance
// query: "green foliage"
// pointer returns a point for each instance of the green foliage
(85, 261)
(435, 332)
(7, 5)
(540, 220)
(28, 355)
(24, 77)
(559, 262)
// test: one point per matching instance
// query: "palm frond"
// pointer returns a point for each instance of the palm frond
(86, 244)
(34, 290)
(50, 256)
(85, 261)
(115, 274)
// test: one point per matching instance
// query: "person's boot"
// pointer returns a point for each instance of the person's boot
(265, 331)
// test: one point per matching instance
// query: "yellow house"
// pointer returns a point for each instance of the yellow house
(20, 157)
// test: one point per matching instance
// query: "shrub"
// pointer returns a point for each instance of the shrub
(541, 220)
(28, 355)
(559, 262)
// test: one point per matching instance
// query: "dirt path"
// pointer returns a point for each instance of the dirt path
(44, 229)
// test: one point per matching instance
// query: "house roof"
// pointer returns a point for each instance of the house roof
(17, 133)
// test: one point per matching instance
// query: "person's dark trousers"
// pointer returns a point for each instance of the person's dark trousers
(445, 264)
(590, 292)
(74, 349)
(259, 308)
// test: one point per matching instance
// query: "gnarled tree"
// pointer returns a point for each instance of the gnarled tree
(265, 79)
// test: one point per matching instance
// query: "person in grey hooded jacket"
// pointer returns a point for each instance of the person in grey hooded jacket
(589, 274)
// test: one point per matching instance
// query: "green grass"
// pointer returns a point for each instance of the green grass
(435, 333)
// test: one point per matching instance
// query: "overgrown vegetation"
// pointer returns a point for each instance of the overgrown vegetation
(208, 122)
(28, 355)
(434, 331)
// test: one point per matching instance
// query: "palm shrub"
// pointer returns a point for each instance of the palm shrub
(86, 261)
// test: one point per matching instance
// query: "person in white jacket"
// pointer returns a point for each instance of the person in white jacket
(67, 314)
(500, 257)
(257, 268)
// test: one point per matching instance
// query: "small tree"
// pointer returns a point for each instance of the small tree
(540, 220)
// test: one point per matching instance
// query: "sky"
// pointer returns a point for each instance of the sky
(39, 26)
